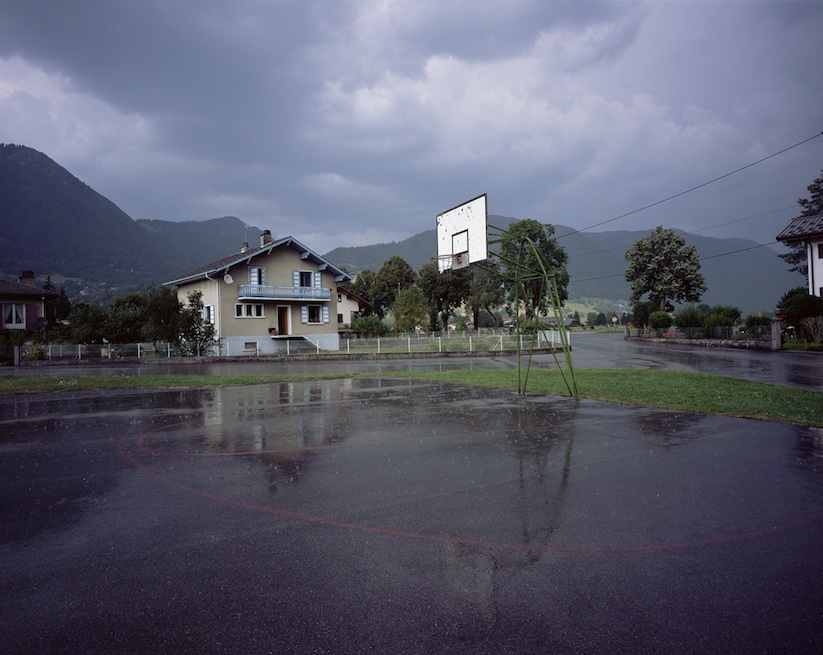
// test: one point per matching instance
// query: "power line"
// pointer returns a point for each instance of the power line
(702, 259)
(694, 188)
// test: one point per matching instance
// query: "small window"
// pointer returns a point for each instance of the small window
(249, 310)
(257, 275)
(339, 297)
(306, 279)
(314, 314)
(820, 250)
(340, 318)
(14, 316)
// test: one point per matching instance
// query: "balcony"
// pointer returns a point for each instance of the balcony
(278, 292)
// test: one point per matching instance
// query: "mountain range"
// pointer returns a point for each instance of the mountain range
(56, 225)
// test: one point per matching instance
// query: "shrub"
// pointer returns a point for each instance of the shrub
(660, 320)
(719, 321)
(758, 326)
(689, 318)
(369, 326)
(798, 304)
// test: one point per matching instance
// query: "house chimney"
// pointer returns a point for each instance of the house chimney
(27, 279)
(244, 247)
(265, 238)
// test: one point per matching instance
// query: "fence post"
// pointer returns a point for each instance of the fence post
(409, 343)
(378, 345)
(440, 344)
(470, 343)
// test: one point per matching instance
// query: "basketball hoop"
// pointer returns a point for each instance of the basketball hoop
(452, 262)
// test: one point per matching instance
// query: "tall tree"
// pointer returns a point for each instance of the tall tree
(365, 286)
(813, 205)
(394, 275)
(524, 263)
(444, 292)
(410, 310)
(664, 267)
(485, 291)
(164, 314)
(196, 335)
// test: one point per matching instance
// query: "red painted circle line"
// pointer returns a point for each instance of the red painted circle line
(391, 532)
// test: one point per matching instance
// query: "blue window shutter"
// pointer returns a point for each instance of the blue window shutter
(253, 278)
(295, 279)
(262, 275)
(304, 314)
(318, 280)
(325, 313)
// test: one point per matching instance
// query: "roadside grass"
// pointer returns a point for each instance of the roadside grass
(58, 383)
(690, 392)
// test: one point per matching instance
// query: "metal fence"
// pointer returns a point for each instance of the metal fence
(447, 342)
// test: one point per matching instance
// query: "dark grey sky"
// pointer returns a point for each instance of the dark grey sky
(356, 122)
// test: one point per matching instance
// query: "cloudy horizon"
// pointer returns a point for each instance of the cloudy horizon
(353, 122)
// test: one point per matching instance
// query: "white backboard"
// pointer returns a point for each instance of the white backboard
(462, 235)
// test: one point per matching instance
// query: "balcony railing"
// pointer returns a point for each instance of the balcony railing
(279, 292)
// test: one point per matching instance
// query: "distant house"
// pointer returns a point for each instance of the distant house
(261, 300)
(809, 230)
(23, 305)
(349, 306)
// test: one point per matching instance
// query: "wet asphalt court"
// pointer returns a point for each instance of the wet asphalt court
(386, 515)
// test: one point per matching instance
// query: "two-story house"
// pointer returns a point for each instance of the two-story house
(262, 299)
(809, 230)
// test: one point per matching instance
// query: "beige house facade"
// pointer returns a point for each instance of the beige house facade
(278, 297)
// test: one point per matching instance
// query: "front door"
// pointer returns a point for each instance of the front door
(282, 320)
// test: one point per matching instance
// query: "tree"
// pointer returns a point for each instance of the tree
(126, 319)
(796, 257)
(662, 266)
(87, 323)
(444, 292)
(641, 313)
(196, 335)
(410, 309)
(521, 261)
(798, 304)
(485, 291)
(394, 275)
(163, 315)
(365, 286)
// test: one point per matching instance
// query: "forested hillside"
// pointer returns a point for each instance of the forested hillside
(56, 225)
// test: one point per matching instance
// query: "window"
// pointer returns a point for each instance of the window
(257, 275)
(339, 297)
(316, 314)
(820, 250)
(306, 279)
(249, 310)
(14, 316)
(208, 314)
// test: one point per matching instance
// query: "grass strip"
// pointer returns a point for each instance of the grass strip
(690, 392)
(57, 383)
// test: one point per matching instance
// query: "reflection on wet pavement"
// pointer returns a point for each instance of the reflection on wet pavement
(388, 515)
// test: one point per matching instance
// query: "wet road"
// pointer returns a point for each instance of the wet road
(392, 516)
(590, 350)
